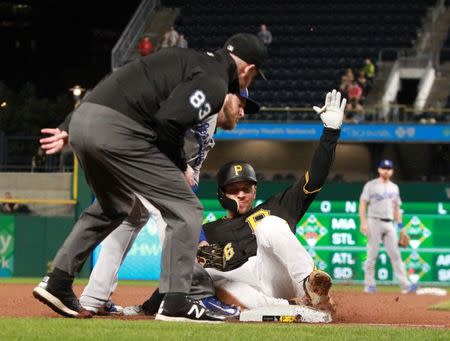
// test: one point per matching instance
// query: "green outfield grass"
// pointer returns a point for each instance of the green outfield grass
(102, 329)
(445, 306)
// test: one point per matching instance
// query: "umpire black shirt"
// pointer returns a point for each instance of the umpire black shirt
(169, 91)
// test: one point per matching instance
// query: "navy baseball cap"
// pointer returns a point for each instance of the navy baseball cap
(386, 164)
(251, 107)
(249, 48)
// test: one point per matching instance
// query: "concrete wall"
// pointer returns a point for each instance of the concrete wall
(39, 186)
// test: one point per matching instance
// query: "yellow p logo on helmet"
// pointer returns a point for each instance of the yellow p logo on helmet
(237, 169)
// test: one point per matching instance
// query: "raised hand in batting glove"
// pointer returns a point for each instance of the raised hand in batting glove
(332, 113)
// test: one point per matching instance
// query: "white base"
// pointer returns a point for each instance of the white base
(286, 313)
(432, 291)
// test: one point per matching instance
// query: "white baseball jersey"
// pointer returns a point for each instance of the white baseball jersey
(198, 142)
(383, 198)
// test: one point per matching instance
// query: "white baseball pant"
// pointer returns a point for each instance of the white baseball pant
(275, 274)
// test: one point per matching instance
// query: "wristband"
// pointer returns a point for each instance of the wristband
(399, 226)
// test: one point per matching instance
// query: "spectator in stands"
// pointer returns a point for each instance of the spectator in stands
(354, 93)
(346, 81)
(369, 70)
(11, 208)
(173, 36)
(182, 42)
(145, 46)
(38, 161)
(353, 113)
(166, 40)
(363, 83)
(265, 35)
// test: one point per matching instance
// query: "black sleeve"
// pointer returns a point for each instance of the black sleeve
(296, 199)
(65, 124)
(188, 104)
(322, 160)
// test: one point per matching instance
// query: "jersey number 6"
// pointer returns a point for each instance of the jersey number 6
(198, 101)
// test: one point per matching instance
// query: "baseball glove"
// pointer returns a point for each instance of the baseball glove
(210, 256)
(404, 239)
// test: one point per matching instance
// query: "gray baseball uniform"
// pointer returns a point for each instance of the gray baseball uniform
(104, 277)
(383, 199)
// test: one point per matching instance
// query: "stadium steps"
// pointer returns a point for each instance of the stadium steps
(379, 83)
(164, 18)
(441, 87)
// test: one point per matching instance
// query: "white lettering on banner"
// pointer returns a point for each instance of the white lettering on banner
(443, 260)
(441, 209)
(4, 242)
(342, 258)
(342, 273)
(382, 257)
(383, 274)
(4, 263)
(343, 224)
(198, 311)
(444, 275)
(342, 238)
(350, 206)
(325, 206)
(145, 249)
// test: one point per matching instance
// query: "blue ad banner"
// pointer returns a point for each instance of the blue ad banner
(143, 261)
(350, 132)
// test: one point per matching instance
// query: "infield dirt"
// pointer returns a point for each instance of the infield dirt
(352, 307)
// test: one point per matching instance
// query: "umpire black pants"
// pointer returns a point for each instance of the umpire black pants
(119, 159)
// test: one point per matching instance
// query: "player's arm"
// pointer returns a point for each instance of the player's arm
(398, 213)
(296, 199)
(398, 217)
(362, 216)
(189, 103)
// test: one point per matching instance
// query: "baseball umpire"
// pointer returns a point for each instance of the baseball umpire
(128, 136)
(199, 141)
(379, 223)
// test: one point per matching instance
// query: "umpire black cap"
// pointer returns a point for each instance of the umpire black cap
(249, 48)
(235, 171)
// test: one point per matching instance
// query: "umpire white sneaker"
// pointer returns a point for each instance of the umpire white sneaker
(187, 310)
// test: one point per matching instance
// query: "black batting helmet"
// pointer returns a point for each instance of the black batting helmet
(231, 172)
(235, 171)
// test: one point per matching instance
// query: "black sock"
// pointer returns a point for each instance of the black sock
(151, 306)
(59, 274)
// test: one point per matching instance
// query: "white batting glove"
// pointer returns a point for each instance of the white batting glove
(332, 113)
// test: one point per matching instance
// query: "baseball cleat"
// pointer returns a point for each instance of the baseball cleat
(215, 305)
(133, 310)
(410, 290)
(109, 308)
(370, 289)
(188, 310)
(61, 300)
(317, 288)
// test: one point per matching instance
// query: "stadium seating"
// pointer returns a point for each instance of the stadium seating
(313, 42)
